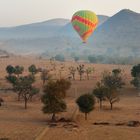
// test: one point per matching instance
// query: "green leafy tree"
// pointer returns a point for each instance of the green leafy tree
(81, 70)
(136, 82)
(1, 101)
(116, 72)
(100, 92)
(10, 69)
(112, 96)
(25, 87)
(60, 57)
(76, 58)
(135, 70)
(11, 79)
(86, 103)
(112, 83)
(92, 59)
(53, 98)
(32, 69)
(18, 70)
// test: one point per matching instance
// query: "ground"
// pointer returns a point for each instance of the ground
(16, 123)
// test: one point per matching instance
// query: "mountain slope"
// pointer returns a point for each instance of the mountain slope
(119, 34)
(35, 30)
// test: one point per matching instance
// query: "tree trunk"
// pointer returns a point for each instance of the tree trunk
(25, 99)
(100, 104)
(80, 77)
(87, 76)
(85, 116)
(73, 77)
(111, 106)
(19, 96)
(44, 82)
(53, 117)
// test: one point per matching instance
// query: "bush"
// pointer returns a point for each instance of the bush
(99, 92)
(60, 57)
(86, 103)
(54, 93)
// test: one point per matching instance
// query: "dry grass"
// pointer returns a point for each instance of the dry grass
(19, 124)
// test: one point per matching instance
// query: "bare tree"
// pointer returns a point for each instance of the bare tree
(72, 71)
(81, 70)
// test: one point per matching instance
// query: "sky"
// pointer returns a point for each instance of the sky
(18, 12)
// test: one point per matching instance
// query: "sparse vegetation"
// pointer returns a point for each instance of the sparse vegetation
(72, 71)
(100, 93)
(32, 69)
(81, 70)
(86, 103)
(45, 76)
(24, 86)
(135, 72)
(88, 71)
(53, 98)
(60, 58)
(112, 83)
(10, 69)
(1, 101)
(18, 70)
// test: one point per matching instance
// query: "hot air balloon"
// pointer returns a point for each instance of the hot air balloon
(84, 22)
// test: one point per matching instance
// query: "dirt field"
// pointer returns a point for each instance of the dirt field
(16, 123)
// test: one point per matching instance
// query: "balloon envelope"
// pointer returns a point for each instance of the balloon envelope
(84, 22)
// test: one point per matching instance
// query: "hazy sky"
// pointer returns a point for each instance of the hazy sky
(16, 12)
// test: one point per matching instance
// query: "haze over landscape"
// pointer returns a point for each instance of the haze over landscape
(114, 36)
(55, 84)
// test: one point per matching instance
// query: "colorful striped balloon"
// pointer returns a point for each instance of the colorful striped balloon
(84, 22)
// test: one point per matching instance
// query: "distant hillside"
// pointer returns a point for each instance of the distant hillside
(119, 35)
(116, 36)
(40, 37)
(34, 30)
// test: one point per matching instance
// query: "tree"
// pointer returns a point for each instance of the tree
(11, 79)
(18, 70)
(100, 92)
(60, 70)
(92, 59)
(1, 101)
(116, 72)
(45, 76)
(81, 70)
(76, 58)
(10, 69)
(136, 82)
(72, 71)
(88, 71)
(135, 70)
(86, 103)
(25, 87)
(54, 93)
(112, 96)
(32, 69)
(60, 57)
(112, 83)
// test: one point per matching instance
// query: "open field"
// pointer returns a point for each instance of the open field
(16, 123)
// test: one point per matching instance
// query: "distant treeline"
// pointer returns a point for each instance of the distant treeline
(103, 59)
